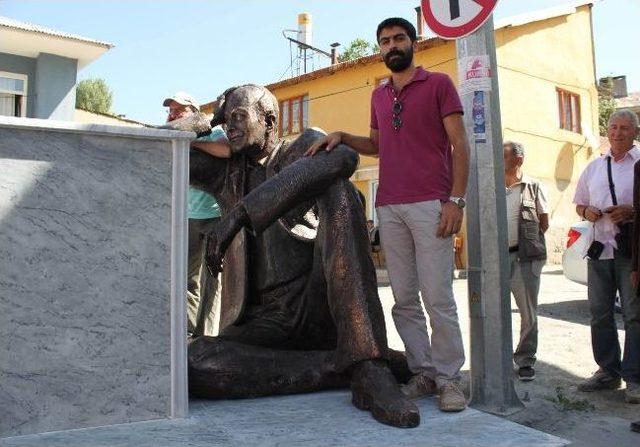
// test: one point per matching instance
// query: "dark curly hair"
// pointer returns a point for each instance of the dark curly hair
(397, 21)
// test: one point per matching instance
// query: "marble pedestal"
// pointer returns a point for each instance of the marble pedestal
(309, 420)
(92, 268)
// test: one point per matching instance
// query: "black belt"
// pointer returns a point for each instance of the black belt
(513, 249)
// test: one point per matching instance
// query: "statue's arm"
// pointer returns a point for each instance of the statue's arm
(298, 182)
(302, 179)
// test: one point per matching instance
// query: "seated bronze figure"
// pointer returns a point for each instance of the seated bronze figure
(300, 310)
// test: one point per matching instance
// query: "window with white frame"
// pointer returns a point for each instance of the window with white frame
(13, 94)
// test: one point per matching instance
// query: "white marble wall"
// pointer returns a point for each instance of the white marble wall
(86, 275)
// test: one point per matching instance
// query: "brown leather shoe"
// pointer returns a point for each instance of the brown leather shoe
(600, 380)
(632, 393)
(419, 386)
(374, 389)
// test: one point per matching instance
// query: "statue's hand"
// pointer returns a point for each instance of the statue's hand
(220, 237)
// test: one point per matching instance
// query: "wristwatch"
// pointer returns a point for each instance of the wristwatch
(458, 201)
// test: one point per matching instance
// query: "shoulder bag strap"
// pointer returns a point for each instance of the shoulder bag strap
(612, 187)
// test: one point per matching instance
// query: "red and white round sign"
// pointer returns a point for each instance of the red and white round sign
(451, 19)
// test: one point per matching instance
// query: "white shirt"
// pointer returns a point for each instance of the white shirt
(593, 190)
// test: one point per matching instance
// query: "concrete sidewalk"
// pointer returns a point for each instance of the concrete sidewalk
(319, 419)
(552, 402)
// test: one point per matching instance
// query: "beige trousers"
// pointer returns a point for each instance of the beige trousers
(419, 263)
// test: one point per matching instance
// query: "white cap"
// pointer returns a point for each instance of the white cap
(183, 98)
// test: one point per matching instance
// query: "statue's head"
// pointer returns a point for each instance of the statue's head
(249, 114)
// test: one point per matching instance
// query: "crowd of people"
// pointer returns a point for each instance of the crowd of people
(417, 131)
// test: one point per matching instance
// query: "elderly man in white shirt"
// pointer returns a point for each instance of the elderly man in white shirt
(610, 272)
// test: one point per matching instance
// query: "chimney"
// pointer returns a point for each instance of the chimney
(419, 23)
(305, 28)
(334, 53)
(617, 84)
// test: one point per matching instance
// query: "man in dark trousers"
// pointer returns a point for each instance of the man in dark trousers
(605, 196)
(300, 310)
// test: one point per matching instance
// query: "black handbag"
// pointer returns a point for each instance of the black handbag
(625, 235)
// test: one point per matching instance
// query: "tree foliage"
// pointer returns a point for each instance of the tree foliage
(606, 103)
(356, 49)
(94, 95)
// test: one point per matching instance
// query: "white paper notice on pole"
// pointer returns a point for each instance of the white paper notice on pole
(474, 73)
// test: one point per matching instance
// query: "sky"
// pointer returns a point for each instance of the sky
(205, 46)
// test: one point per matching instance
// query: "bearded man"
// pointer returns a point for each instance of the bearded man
(418, 133)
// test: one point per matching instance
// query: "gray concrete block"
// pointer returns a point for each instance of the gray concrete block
(85, 279)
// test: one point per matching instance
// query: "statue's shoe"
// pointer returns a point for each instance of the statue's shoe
(374, 389)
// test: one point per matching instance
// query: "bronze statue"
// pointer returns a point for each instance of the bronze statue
(300, 308)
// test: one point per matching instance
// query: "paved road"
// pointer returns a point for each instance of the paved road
(552, 402)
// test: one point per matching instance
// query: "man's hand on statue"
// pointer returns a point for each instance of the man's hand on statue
(619, 213)
(450, 220)
(328, 142)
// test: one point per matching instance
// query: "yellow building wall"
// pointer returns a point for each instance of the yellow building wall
(533, 60)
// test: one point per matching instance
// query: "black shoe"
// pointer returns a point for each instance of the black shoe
(635, 426)
(526, 373)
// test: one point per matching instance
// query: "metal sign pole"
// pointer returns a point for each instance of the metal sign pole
(492, 388)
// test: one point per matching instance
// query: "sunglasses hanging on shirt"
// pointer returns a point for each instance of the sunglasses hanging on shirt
(397, 108)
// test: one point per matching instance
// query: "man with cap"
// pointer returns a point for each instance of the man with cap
(203, 211)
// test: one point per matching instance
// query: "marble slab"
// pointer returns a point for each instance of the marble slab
(86, 265)
(320, 419)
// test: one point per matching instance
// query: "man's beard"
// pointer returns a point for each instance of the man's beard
(400, 63)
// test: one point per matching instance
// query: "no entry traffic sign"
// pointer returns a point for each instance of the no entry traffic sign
(451, 19)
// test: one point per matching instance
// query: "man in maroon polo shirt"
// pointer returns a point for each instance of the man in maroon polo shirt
(418, 133)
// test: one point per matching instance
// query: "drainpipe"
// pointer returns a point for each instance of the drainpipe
(419, 22)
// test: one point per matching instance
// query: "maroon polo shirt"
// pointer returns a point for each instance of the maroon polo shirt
(415, 160)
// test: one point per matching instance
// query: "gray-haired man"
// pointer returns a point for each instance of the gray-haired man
(611, 271)
(527, 220)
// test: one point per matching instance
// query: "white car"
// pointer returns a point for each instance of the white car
(574, 264)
